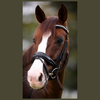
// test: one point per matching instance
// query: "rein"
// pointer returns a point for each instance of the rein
(56, 68)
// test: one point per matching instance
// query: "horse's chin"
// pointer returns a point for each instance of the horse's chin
(38, 86)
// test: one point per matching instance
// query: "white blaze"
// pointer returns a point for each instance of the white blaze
(37, 66)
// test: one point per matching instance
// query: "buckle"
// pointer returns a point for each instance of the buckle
(54, 73)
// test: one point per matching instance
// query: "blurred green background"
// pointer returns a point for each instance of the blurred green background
(30, 24)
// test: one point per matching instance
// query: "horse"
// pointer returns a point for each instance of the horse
(45, 60)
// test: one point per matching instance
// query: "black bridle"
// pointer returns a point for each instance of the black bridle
(56, 68)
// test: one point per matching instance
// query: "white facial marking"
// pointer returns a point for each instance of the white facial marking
(43, 45)
(37, 66)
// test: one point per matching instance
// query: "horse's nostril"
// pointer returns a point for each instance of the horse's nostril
(40, 77)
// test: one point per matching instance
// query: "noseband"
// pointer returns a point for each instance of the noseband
(56, 68)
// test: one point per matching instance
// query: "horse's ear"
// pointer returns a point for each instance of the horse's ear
(62, 13)
(40, 15)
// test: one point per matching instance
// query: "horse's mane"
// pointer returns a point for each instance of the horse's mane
(47, 25)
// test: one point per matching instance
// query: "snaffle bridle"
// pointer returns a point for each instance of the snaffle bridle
(56, 68)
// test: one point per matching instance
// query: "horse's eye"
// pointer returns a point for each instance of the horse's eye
(59, 41)
(34, 41)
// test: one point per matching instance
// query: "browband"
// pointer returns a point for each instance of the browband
(62, 27)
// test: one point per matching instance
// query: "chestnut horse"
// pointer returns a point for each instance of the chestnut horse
(45, 60)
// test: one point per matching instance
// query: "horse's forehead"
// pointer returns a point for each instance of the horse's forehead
(43, 45)
(46, 34)
(60, 32)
